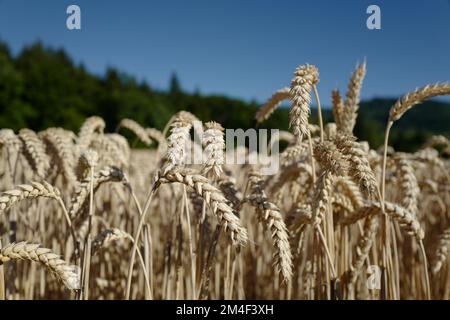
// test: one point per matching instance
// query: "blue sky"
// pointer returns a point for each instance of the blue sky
(246, 48)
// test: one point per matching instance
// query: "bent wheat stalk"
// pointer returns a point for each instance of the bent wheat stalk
(32, 191)
(137, 129)
(272, 104)
(213, 197)
(33, 252)
(271, 218)
(34, 151)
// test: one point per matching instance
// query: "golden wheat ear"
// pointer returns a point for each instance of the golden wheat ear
(33, 252)
(272, 220)
(137, 129)
(305, 77)
(272, 104)
(213, 197)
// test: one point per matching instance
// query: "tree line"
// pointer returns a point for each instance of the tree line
(42, 87)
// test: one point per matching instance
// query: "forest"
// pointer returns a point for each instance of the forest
(42, 87)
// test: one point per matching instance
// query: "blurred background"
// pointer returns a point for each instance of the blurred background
(219, 59)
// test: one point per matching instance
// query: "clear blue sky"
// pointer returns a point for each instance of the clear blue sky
(246, 48)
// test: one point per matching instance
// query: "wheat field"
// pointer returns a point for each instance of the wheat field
(85, 216)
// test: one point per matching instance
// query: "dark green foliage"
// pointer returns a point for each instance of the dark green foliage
(42, 87)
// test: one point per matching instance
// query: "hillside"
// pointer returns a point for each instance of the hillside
(42, 87)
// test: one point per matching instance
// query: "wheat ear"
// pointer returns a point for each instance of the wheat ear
(272, 104)
(175, 155)
(27, 191)
(400, 108)
(108, 236)
(33, 252)
(213, 197)
(214, 144)
(351, 104)
(332, 164)
(186, 115)
(359, 167)
(305, 77)
(363, 247)
(109, 152)
(404, 217)
(61, 145)
(34, 151)
(409, 187)
(270, 216)
(87, 132)
(137, 129)
(80, 199)
(9, 139)
(441, 252)
(227, 185)
(159, 137)
(419, 95)
(338, 107)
